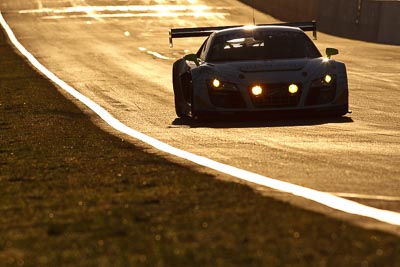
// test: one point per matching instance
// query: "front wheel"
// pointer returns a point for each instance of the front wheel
(178, 95)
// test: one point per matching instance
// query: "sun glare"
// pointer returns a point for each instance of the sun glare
(128, 11)
(249, 27)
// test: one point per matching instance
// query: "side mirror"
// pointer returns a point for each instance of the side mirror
(331, 52)
(193, 58)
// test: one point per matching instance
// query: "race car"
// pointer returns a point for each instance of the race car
(264, 69)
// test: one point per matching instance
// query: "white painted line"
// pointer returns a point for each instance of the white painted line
(326, 199)
(155, 54)
(365, 196)
(158, 55)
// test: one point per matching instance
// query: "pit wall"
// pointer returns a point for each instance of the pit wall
(368, 20)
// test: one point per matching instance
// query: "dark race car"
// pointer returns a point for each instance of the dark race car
(273, 69)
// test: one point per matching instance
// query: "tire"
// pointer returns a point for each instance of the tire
(178, 95)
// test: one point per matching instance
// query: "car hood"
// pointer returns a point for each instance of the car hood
(265, 65)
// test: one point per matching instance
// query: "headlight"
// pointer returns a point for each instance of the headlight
(256, 90)
(326, 80)
(218, 85)
(293, 88)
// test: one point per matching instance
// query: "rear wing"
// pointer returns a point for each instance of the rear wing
(207, 31)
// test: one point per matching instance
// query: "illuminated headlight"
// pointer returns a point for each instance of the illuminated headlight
(293, 89)
(216, 83)
(256, 90)
(328, 79)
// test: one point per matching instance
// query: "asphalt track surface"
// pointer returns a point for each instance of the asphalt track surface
(117, 54)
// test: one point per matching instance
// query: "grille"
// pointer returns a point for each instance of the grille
(226, 99)
(321, 95)
(276, 95)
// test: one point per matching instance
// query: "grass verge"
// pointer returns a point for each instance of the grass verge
(73, 195)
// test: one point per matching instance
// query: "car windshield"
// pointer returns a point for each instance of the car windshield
(259, 45)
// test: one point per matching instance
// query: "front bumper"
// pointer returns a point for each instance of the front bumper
(333, 110)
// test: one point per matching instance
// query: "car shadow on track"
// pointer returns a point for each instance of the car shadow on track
(252, 122)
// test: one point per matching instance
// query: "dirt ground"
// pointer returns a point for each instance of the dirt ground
(73, 195)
